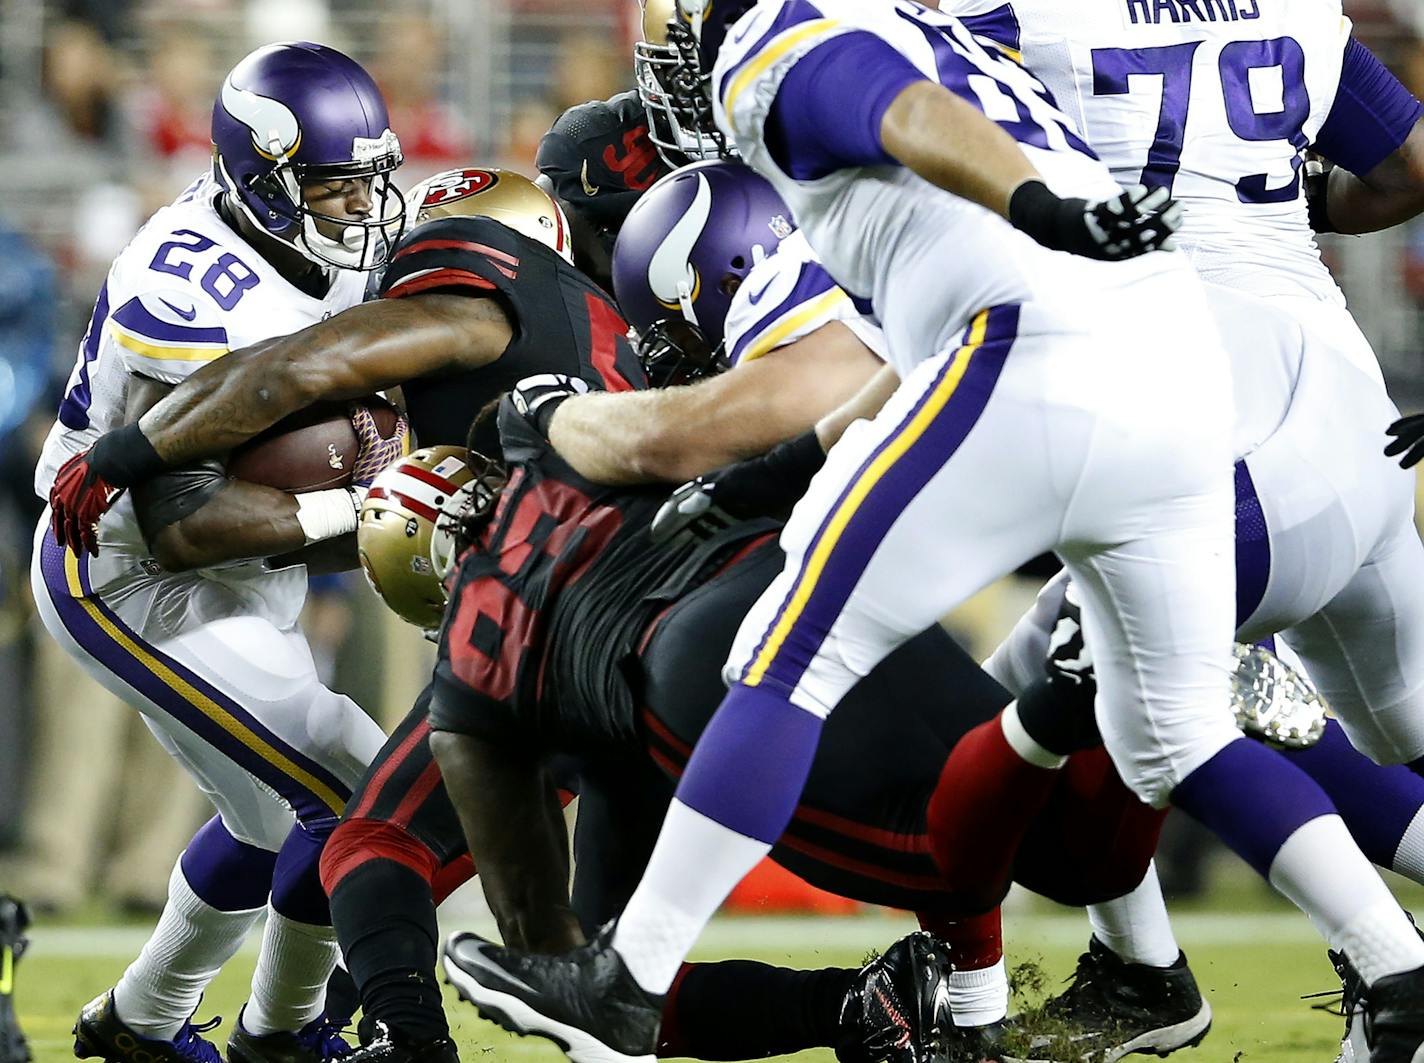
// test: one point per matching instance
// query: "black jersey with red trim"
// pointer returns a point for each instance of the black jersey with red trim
(563, 322)
(548, 607)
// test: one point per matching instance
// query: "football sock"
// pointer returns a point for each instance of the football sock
(1294, 839)
(1135, 926)
(1378, 804)
(978, 986)
(740, 1009)
(296, 877)
(1409, 856)
(986, 799)
(225, 873)
(1358, 917)
(161, 989)
(736, 797)
(974, 942)
(289, 984)
(385, 918)
(980, 997)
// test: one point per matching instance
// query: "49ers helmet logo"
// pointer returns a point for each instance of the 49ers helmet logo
(459, 184)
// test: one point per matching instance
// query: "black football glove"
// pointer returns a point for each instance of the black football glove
(764, 486)
(1317, 186)
(1408, 433)
(1132, 224)
(537, 397)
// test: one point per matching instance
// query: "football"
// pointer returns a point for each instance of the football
(312, 450)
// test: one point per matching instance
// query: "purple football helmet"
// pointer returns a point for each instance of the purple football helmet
(300, 112)
(690, 240)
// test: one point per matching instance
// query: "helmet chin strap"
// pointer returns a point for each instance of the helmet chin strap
(684, 300)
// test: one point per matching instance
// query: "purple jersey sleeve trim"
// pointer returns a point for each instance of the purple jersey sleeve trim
(827, 111)
(1372, 116)
(1000, 26)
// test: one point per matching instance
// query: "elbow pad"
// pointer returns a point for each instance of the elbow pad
(171, 496)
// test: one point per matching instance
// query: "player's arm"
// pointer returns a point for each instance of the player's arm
(368, 348)
(855, 101)
(674, 434)
(1375, 137)
(514, 825)
(195, 517)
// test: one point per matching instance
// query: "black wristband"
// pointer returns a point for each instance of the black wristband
(1034, 209)
(125, 457)
(797, 460)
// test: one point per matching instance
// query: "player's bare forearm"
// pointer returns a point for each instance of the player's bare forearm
(367, 348)
(322, 558)
(950, 143)
(1389, 195)
(242, 520)
(674, 434)
(864, 404)
(510, 814)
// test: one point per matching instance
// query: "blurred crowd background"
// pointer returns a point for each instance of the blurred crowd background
(106, 114)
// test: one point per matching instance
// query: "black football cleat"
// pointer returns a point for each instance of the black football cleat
(585, 1001)
(387, 1046)
(316, 1042)
(1115, 1008)
(1353, 1047)
(100, 1032)
(14, 920)
(1394, 1018)
(898, 1010)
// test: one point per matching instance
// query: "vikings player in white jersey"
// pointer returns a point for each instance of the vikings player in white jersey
(1110, 419)
(180, 615)
(1217, 102)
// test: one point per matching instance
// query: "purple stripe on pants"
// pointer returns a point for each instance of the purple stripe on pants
(887, 499)
(103, 648)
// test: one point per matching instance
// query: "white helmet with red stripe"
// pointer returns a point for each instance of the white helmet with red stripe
(397, 523)
(502, 195)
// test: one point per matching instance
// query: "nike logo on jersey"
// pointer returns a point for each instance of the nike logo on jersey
(1162, 12)
(589, 189)
(187, 315)
(755, 297)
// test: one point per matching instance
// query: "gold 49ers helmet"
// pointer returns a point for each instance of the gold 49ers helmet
(501, 195)
(397, 521)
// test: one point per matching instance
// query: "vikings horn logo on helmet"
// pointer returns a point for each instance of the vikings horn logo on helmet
(275, 131)
(671, 276)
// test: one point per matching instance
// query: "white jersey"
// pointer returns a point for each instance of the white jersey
(1215, 100)
(185, 291)
(863, 222)
(787, 296)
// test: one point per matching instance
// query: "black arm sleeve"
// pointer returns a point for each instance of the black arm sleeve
(170, 496)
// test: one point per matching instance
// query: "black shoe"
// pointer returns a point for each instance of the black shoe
(316, 1042)
(1350, 1007)
(100, 1032)
(1114, 1008)
(585, 1001)
(386, 1046)
(1394, 1018)
(898, 1009)
(14, 919)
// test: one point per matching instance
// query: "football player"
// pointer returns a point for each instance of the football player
(601, 647)
(799, 306)
(1220, 111)
(181, 616)
(904, 520)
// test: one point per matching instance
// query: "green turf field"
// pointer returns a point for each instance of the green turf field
(1254, 967)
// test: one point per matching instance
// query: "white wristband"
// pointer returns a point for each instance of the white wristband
(327, 514)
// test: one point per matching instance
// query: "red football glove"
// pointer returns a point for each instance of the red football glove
(79, 497)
